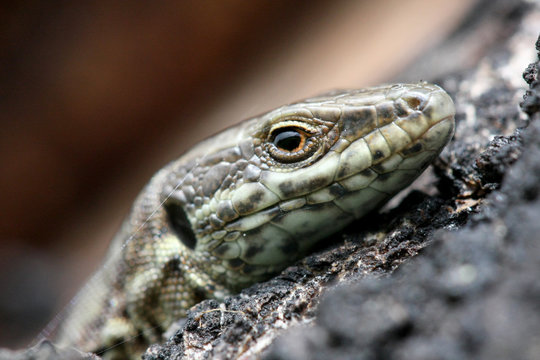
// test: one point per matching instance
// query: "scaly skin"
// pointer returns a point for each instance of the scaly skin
(244, 204)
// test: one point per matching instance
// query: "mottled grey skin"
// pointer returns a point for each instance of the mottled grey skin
(237, 208)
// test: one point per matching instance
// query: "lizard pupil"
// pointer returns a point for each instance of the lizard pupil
(289, 139)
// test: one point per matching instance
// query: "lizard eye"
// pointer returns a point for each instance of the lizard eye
(289, 139)
(292, 143)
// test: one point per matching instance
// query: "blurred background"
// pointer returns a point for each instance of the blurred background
(95, 97)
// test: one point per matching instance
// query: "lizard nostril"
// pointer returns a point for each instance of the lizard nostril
(180, 224)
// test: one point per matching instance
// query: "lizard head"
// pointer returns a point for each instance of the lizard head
(253, 199)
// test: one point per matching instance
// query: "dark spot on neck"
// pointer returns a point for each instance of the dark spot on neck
(180, 224)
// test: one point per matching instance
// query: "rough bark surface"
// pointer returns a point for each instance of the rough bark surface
(449, 273)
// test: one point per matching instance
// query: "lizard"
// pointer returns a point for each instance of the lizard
(244, 204)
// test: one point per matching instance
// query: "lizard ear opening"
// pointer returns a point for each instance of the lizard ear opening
(180, 224)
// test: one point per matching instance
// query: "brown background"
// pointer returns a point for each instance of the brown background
(96, 97)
